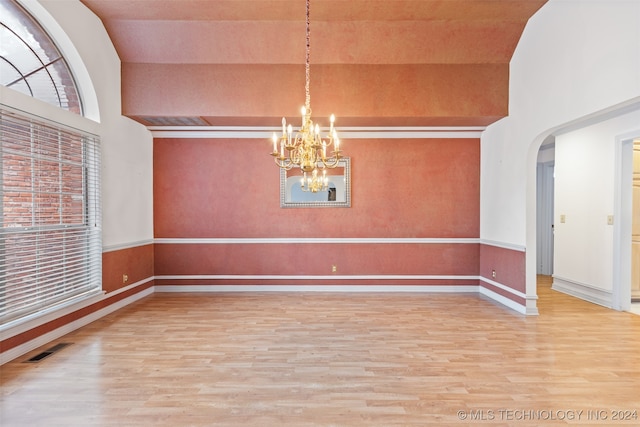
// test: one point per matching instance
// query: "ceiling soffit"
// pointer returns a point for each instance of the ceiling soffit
(239, 61)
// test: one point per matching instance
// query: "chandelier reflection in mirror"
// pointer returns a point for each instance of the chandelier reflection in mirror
(306, 148)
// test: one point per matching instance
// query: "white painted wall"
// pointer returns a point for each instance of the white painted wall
(577, 61)
(127, 162)
(584, 193)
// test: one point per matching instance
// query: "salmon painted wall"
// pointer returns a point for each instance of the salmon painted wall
(423, 193)
(136, 263)
(509, 267)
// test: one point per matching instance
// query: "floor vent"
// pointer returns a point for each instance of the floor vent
(38, 357)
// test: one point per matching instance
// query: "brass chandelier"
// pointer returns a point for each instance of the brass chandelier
(307, 149)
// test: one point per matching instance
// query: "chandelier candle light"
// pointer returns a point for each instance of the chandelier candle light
(307, 149)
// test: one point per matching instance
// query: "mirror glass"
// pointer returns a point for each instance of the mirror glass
(338, 193)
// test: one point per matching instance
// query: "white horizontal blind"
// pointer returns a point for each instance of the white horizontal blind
(50, 228)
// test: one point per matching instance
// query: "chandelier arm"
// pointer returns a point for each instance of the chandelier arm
(295, 155)
(331, 162)
(285, 164)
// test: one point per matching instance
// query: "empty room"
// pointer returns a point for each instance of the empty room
(319, 212)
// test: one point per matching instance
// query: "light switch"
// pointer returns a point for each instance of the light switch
(609, 219)
(563, 218)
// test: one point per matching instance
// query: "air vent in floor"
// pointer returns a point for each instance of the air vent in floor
(38, 357)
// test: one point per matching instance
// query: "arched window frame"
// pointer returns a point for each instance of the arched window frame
(31, 62)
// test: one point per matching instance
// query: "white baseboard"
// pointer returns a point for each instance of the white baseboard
(57, 333)
(583, 291)
(531, 307)
(22, 349)
(504, 300)
(317, 288)
(353, 289)
(306, 277)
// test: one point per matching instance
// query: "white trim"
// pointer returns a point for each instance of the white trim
(622, 226)
(318, 288)
(532, 305)
(28, 323)
(33, 107)
(503, 287)
(503, 245)
(306, 277)
(583, 291)
(312, 240)
(529, 309)
(129, 287)
(265, 132)
(323, 128)
(34, 320)
(70, 327)
(130, 245)
(504, 301)
(22, 349)
(549, 146)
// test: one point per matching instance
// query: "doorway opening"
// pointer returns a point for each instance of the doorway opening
(627, 255)
(545, 214)
(625, 220)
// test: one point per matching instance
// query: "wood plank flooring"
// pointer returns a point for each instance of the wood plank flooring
(307, 359)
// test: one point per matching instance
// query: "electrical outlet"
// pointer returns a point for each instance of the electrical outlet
(493, 274)
(125, 278)
(334, 268)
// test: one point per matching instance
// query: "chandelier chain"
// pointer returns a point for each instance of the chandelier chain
(306, 148)
(307, 100)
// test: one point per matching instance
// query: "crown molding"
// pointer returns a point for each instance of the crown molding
(265, 132)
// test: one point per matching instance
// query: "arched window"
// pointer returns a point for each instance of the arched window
(31, 63)
(50, 209)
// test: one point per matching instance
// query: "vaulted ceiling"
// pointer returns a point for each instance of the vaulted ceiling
(373, 62)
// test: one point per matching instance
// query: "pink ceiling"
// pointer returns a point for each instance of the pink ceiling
(385, 62)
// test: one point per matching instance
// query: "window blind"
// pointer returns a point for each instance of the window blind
(50, 227)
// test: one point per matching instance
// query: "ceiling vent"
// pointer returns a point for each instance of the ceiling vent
(174, 121)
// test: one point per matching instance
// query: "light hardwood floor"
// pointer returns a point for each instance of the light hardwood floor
(303, 359)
